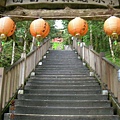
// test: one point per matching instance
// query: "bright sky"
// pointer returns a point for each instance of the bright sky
(58, 24)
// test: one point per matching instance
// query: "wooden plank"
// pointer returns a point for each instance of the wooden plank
(1, 86)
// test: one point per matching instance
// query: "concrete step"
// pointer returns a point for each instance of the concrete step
(62, 110)
(63, 65)
(39, 67)
(61, 78)
(63, 97)
(61, 60)
(95, 87)
(59, 117)
(62, 91)
(61, 56)
(61, 72)
(83, 76)
(63, 103)
(60, 82)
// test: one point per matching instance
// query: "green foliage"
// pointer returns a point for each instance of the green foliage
(116, 48)
(116, 61)
(60, 33)
(56, 46)
(5, 57)
(66, 36)
(21, 34)
(53, 31)
(99, 40)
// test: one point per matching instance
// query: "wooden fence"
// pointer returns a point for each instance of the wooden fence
(104, 69)
(13, 79)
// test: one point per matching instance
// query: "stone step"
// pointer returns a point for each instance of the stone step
(63, 65)
(62, 87)
(59, 117)
(47, 67)
(61, 73)
(56, 78)
(60, 82)
(83, 76)
(54, 63)
(62, 91)
(63, 103)
(40, 67)
(62, 110)
(62, 70)
(62, 56)
(61, 60)
(63, 97)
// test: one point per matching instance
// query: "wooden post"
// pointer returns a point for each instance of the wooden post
(102, 54)
(118, 86)
(23, 55)
(1, 88)
(90, 48)
(83, 52)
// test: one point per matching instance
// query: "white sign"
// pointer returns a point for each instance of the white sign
(91, 2)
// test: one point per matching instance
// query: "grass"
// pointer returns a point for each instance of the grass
(116, 61)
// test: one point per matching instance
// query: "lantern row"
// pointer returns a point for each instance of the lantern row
(39, 28)
(79, 27)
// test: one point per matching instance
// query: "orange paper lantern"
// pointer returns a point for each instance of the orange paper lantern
(39, 28)
(7, 27)
(112, 26)
(78, 26)
(47, 30)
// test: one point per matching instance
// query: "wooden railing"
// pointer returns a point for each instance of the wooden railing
(104, 69)
(13, 79)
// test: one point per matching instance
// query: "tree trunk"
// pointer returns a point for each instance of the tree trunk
(91, 41)
(13, 53)
(111, 49)
(33, 46)
(0, 46)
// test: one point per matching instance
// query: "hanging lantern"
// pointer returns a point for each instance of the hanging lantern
(39, 28)
(78, 27)
(47, 30)
(112, 26)
(7, 27)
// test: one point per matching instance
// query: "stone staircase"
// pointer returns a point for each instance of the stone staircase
(61, 89)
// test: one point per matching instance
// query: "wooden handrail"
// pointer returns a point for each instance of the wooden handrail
(13, 78)
(104, 69)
